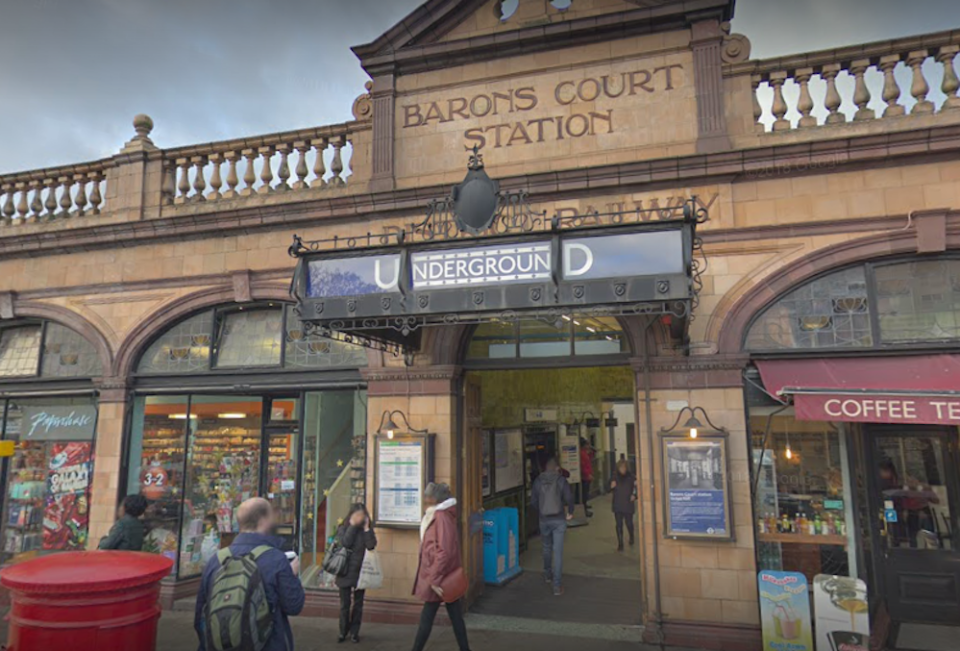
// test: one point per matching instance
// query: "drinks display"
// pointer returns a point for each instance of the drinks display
(820, 524)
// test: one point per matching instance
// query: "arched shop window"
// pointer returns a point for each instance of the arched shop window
(47, 491)
(878, 304)
(530, 338)
(251, 337)
(197, 453)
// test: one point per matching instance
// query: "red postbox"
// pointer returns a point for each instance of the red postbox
(85, 601)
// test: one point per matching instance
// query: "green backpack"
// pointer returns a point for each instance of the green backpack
(237, 616)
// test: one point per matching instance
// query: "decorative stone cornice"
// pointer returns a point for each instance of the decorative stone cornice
(694, 363)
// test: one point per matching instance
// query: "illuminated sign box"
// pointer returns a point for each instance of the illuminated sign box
(585, 269)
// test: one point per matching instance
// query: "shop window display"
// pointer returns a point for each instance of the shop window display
(47, 502)
(160, 423)
(223, 470)
(803, 495)
(334, 473)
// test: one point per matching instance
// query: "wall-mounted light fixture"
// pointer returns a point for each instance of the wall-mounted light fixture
(693, 425)
(390, 426)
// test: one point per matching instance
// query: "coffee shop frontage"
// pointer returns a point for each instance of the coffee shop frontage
(598, 222)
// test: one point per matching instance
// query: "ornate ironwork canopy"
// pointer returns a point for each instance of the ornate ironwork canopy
(461, 265)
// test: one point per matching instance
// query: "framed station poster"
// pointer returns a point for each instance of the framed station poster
(696, 491)
(403, 466)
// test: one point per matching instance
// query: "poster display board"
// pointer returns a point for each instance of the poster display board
(785, 611)
(508, 459)
(486, 476)
(67, 510)
(842, 613)
(403, 467)
(570, 456)
(697, 498)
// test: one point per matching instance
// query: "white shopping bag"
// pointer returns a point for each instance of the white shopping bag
(371, 576)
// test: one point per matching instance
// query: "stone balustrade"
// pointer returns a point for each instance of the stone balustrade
(889, 79)
(292, 161)
(56, 193)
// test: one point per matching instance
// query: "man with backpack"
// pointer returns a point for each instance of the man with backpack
(253, 576)
(553, 499)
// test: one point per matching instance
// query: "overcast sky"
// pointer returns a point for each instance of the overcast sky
(73, 73)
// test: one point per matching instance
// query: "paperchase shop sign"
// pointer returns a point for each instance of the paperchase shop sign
(567, 269)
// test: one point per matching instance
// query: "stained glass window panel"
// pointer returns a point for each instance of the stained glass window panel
(250, 338)
(184, 348)
(919, 301)
(829, 312)
(19, 351)
(317, 352)
(67, 353)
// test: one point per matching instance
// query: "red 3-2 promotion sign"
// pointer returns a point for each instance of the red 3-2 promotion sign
(874, 408)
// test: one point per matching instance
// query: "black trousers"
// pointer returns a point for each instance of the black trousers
(454, 611)
(350, 619)
(624, 519)
(585, 493)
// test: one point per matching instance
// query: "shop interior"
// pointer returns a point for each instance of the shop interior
(528, 417)
(863, 501)
(197, 457)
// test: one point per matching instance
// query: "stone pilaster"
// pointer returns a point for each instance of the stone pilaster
(427, 397)
(384, 96)
(706, 43)
(105, 489)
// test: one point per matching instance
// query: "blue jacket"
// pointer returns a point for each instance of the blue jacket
(284, 591)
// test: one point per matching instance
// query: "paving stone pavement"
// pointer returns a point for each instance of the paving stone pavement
(312, 634)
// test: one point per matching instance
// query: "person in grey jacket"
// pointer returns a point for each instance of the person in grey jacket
(127, 533)
(553, 499)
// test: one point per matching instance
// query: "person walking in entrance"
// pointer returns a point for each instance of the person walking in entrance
(624, 487)
(440, 577)
(553, 500)
(256, 571)
(357, 535)
(586, 475)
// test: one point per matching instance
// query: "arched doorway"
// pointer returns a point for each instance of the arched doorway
(538, 390)
(232, 401)
(855, 373)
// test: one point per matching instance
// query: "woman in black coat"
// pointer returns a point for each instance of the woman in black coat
(624, 487)
(357, 535)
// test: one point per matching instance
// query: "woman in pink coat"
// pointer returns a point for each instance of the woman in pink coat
(439, 557)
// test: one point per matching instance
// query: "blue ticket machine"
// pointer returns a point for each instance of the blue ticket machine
(501, 545)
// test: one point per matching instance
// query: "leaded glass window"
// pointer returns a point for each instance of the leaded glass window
(184, 348)
(587, 336)
(829, 312)
(250, 338)
(869, 306)
(20, 351)
(67, 353)
(316, 352)
(919, 301)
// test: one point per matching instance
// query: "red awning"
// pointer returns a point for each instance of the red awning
(915, 389)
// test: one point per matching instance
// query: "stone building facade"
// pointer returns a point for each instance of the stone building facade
(807, 164)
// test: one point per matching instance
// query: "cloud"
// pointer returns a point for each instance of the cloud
(73, 73)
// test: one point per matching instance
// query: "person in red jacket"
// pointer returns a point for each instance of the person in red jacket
(586, 474)
(439, 558)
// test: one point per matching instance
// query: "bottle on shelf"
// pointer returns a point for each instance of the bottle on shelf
(817, 525)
